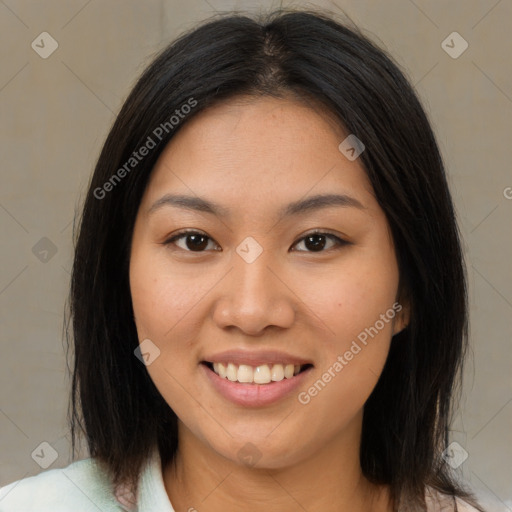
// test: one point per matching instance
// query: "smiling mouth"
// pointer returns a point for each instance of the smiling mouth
(262, 374)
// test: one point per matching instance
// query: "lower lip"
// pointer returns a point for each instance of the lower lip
(255, 395)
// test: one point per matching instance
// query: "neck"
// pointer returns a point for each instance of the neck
(329, 480)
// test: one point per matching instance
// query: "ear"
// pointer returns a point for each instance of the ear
(402, 317)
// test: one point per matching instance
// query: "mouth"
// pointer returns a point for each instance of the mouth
(255, 386)
(264, 374)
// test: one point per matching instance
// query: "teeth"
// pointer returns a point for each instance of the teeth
(262, 374)
(277, 372)
(245, 373)
(232, 372)
(256, 375)
(288, 371)
(220, 369)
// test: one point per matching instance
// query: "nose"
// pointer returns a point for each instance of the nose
(255, 296)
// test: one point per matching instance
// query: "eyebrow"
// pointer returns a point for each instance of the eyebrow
(299, 207)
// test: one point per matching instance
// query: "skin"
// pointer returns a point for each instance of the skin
(253, 156)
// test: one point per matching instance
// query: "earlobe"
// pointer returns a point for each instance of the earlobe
(402, 318)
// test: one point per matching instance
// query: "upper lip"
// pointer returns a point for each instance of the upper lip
(255, 358)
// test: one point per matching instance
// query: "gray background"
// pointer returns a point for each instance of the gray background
(56, 112)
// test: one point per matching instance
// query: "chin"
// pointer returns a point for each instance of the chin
(259, 453)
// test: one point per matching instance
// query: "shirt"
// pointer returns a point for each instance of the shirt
(83, 486)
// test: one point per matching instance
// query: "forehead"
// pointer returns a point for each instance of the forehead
(258, 149)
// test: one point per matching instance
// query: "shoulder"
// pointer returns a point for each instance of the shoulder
(82, 486)
(488, 502)
(463, 506)
(438, 502)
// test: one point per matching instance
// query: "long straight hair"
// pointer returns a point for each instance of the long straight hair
(314, 56)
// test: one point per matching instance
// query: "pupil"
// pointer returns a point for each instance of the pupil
(315, 246)
(197, 244)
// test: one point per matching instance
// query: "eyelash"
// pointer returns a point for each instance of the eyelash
(339, 241)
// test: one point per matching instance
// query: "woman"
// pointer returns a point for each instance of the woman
(268, 294)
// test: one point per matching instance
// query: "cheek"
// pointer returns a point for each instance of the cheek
(356, 304)
(169, 308)
(161, 300)
(351, 297)
(160, 305)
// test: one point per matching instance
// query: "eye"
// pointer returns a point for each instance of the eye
(316, 241)
(195, 241)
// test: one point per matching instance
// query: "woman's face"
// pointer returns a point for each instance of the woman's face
(253, 289)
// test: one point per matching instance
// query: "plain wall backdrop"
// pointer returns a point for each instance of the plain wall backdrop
(56, 112)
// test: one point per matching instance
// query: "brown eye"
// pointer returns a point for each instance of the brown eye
(317, 241)
(195, 241)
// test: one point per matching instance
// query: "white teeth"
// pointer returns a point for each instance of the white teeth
(221, 370)
(288, 371)
(231, 372)
(277, 372)
(262, 374)
(245, 373)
